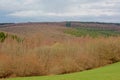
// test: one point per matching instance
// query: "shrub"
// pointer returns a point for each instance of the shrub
(5, 66)
(3, 36)
(31, 58)
(68, 24)
(18, 39)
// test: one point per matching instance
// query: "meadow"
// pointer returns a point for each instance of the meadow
(110, 72)
(92, 32)
(46, 51)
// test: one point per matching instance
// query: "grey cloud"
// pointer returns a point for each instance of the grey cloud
(96, 10)
(55, 5)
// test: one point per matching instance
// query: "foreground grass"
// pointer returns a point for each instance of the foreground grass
(111, 72)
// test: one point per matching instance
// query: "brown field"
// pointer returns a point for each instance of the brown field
(47, 50)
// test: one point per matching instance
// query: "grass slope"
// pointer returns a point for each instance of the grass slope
(111, 72)
(92, 32)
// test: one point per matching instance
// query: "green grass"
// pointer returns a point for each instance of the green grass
(92, 32)
(110, 72)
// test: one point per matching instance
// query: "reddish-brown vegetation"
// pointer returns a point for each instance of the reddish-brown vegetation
(50, 52)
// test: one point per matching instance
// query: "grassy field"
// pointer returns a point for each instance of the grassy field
(93, 32)
(111, 72)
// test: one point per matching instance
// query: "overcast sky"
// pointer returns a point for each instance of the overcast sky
(59, 10)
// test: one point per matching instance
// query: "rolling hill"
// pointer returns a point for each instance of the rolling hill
(51, 48)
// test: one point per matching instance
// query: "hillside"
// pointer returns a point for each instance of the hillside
(43, 49)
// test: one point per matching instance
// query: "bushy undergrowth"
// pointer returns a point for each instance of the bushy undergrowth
(4, 36)
(19, 59)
